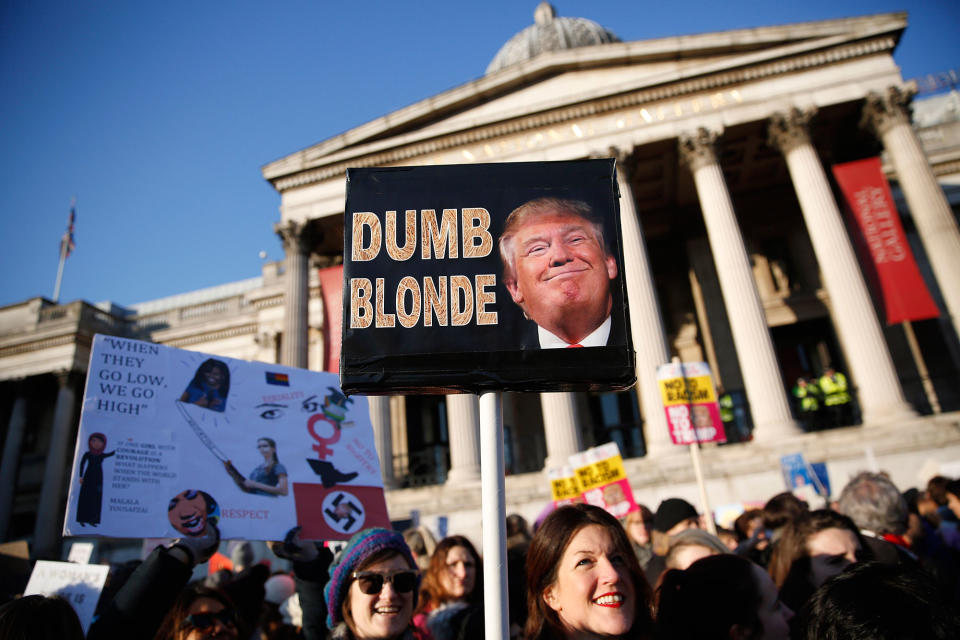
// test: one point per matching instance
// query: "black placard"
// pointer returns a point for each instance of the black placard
(458, 327)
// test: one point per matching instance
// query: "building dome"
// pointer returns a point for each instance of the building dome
(549, 33)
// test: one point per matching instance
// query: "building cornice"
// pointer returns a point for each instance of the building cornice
(209, 336)
(946, 168)
(707, 83)
(33, 346)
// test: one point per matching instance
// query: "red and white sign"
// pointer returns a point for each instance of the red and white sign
(331, 288)
(902, 289)
(690, 402)
(601, 477)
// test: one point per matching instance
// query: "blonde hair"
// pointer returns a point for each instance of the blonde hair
(539, 208)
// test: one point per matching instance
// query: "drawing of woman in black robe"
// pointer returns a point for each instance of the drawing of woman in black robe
(91, 480)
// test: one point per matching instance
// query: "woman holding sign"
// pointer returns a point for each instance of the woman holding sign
(583, 579)
(270, 478)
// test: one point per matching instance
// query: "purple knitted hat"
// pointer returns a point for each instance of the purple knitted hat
(360, 547)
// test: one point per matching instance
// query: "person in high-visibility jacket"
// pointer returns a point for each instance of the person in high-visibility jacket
(836, 398)
(808, 397)
(727, 416)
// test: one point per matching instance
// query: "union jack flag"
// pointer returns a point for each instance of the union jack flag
(67, 243)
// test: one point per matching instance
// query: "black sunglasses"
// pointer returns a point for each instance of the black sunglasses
(207, 620)
(371, 582)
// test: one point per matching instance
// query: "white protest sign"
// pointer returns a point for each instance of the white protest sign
(80, 552)
(78, 584)
(171, 439)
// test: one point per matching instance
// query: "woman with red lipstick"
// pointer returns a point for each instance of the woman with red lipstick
(451, 600)
(583, 579)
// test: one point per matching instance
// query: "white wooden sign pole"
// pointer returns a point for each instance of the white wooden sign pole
(695, 459)
(493, 517)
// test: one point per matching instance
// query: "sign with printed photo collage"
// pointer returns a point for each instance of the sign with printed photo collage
(170, 440)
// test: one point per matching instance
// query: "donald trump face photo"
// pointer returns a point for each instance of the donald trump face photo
(558, 269)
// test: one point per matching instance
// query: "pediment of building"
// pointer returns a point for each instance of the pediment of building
(569, 79)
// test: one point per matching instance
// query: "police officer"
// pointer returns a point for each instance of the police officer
(836, 398)
(808, 397)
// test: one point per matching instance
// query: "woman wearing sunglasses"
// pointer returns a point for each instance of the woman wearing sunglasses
(145, 601)
(200, 613)
(372, 589)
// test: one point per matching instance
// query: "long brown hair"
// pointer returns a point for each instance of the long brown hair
(546, 551)
(432, 593)
(790, 562)
(792, 545)
(170, 627)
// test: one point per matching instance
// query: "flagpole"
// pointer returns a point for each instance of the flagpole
(66, 246)
(63, 257)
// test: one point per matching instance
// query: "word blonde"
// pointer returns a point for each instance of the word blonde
(449, 300)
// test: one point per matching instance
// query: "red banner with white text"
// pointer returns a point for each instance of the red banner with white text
(903, 292)
(331, 290)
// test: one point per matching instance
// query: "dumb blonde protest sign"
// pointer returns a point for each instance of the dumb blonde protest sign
(484, 277)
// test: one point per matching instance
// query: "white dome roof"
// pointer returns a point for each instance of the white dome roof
(549, 33)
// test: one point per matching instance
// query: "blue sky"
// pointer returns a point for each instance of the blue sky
(159, 116)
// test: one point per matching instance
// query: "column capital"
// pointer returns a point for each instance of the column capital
(65, 377)
(882, 111)
(297, 237)
(788, 130)
(266, 339)
(623, 155)
(698, 149)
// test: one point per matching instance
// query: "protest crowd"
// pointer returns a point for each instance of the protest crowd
(878, 563)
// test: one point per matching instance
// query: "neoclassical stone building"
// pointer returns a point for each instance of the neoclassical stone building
(736, 254)
(735, 246)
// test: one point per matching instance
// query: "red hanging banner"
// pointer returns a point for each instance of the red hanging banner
(902, 289)
(331, 290)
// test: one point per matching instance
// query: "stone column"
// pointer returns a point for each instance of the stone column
(748, 323)
(11, 454)
(398, 432)
(296, 245)
(868, 357)
(46, 532)
(561, 425)
(463, 425)
(646, 321)
(383, 437)
(888, 116)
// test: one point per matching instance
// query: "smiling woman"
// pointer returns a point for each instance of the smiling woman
(583, 579)
(558, 269)
(372, 588)
(190, 510)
